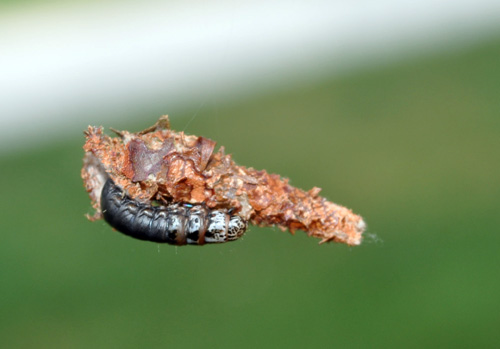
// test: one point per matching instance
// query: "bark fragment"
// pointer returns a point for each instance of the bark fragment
(161, 164)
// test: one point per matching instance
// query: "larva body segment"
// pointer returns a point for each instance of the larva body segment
(175, 224)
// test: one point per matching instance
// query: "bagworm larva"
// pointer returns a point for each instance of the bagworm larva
(175, 224)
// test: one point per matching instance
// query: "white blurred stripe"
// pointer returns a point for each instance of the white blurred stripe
(105, 58)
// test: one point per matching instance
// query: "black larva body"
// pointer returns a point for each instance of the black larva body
(176, 224)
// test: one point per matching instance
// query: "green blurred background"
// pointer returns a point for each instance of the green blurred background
(413, 147)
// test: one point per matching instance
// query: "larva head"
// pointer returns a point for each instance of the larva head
(236, 228)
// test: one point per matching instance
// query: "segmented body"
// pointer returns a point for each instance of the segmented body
(176, 224)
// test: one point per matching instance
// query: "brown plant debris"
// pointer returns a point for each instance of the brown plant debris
(161, 164)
